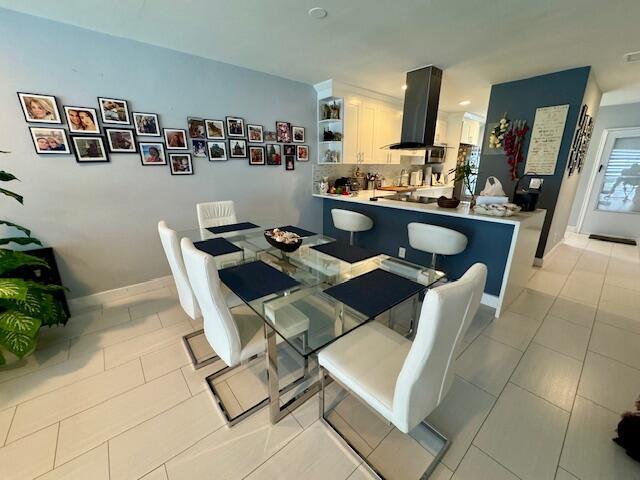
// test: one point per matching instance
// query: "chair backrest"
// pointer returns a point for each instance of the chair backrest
(214, 214)
(169, 239)
(435, 239)
(350, 221)
(220, 328)
(428, 371)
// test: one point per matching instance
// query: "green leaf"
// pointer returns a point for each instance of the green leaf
(18, 322)
(12, 259)
(13, 288)
(39, 305)
(17, 343)
(20, 240)
(7, 177)
(2, 360)
(10, 224)
(9, 193)
(45, 287)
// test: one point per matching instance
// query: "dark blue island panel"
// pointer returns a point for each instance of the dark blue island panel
(489, 242)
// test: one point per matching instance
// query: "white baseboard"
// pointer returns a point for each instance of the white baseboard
(96, 299)
(572, 228)
(489, 300)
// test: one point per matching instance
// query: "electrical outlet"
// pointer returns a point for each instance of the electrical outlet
(402, 252)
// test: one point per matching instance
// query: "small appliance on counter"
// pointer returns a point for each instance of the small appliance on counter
(527, 197)
(415, 178)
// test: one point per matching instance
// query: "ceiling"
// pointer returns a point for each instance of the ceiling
(371, 44)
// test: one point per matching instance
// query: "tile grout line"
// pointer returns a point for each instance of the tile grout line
(55, 451)
(495, 460)
(108, 459)
(613, 360)
(6, 437)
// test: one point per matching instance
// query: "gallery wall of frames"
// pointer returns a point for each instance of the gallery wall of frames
(91, 134)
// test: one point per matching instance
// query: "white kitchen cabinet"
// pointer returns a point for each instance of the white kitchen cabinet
(388, 123)
(470, 132)
(359, 125)
(441, 132)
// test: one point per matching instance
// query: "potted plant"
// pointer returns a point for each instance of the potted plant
(25, 305)
(464, 173)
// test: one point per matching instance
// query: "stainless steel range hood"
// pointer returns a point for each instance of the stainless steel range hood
(420, 111)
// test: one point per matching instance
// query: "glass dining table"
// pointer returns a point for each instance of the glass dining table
(323, 292)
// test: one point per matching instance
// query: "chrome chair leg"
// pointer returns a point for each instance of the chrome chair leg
(352, 238)
(194, 361)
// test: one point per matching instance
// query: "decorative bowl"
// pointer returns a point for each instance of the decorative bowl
(285, 247)
(445, 202)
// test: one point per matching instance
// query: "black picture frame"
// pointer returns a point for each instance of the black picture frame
(255, 127)
(167, 143)
(108, 121)
(298, 157)
(221, 144)
(220, 124)
(52, 98)
(143, 146)
(140, 133)
(261, 149)
(67, 151)
(283, 132)
(196, 128)
(242, 142)
(202, 151)
(289, 149)
(293, 134)
(235, 134)
(72, 128)
(130, 132)
(172, 156)
(274, 158)
(289, 162)
(93, 138)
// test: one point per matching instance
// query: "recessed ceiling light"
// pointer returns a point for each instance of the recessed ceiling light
(465, 102)
(317, 13)
(632, 56)
(404, 87)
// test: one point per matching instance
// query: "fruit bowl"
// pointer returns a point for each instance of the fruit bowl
(445, 202)
(285, 241)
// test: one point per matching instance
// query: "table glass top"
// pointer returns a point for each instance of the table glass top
(305, 316)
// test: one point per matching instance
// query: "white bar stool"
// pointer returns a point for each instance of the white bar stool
(436, 240)
(351, 222)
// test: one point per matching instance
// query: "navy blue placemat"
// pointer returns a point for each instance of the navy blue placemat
(375, 292)
(297, 230)
(345, 252)
(233, 227)
(217, 246)
(255, 279)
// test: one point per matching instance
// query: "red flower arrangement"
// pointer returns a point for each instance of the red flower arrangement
(513, 140)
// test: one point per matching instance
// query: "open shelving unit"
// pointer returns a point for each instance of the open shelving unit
(333, 148)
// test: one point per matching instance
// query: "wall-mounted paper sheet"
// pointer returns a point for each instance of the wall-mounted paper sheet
(546, 137)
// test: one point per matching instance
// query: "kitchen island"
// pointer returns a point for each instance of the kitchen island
(507, 245)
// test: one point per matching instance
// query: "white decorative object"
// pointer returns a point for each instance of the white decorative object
(546, 137)
(492, 187)
(497, 210)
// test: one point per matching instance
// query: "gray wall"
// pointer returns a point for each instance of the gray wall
(610, 116)
(101, 218)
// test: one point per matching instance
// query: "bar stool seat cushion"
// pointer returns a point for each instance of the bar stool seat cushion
(435, 239)
(350, 221)
(370, 366)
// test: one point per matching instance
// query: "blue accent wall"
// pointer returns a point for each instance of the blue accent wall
(520, 99)
(489, 242)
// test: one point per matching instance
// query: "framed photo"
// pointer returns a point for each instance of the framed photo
(39, 108)
(289, 162)
(254, 134)
(235, 127)
(82, 120)
(256, 156)
(180, 164)
(114, 111)
(215, 129)
(90, 149)
(176, 139)
(298, 134)
(147, 124)
(283, 132)
(270, 136)
(199, 148)
(290, 150)
(274, 154)
(238, 148)
(302, 153)
(152, 153)
(196, 128)
(50, 140)
(120, 141)
(217, 151)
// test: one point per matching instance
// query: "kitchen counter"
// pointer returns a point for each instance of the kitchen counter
(506, 245)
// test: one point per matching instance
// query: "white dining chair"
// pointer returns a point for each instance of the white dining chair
(401, 380)
(436, 240)
(215, 214)
(237, 334)
(188, 302)
(351, 222)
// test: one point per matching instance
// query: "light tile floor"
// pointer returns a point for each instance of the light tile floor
(537, 396)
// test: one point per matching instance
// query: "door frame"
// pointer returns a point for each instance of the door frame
(595, 170)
